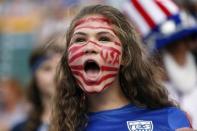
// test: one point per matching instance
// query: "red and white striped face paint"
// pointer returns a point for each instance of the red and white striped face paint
(95, 54)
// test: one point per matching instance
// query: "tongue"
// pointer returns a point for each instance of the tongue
(92, 73)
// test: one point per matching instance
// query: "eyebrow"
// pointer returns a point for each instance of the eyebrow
(80, 33)
(105, 32)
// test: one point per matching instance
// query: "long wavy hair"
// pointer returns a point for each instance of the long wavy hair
(51, 47)
(139, 77)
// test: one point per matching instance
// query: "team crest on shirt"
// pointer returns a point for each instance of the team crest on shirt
(140, 125)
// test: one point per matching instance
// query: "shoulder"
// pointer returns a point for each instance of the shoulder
(19, 127)
(177, 118)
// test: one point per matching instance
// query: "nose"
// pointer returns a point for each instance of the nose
(91, 48)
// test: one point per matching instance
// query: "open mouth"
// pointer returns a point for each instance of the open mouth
(91, 68)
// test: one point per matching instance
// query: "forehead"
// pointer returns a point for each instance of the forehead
(54, 57)
(93, 18)
(93, 23)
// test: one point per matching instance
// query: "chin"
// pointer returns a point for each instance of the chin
(94, 89)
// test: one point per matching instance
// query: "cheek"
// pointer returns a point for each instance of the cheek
(111, 56)
(40, 80)
(75, 53)
(45, 83)
(44, 79)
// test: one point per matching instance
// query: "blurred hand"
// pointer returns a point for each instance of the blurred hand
(3, 127)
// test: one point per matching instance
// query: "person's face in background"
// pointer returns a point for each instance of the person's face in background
(45, 75)
(192, 42)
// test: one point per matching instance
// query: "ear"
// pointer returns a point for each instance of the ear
(123, 61)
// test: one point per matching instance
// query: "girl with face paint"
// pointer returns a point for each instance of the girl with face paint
(106, 81)
(94, 55)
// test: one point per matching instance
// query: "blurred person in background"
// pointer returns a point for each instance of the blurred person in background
(181, 75)
(43, 63)
(169, 33)
(191, 7)
(12, 105)
(188, 5)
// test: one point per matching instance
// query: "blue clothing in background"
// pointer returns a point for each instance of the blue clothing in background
(21, 127)
(132, 118)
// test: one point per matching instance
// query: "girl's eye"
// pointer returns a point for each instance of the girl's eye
(47, 68)
(104, 39)
(78, 40)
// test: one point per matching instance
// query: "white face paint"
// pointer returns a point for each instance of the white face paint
(95, 54)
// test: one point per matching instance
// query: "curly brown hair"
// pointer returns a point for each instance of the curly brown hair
(139, 78)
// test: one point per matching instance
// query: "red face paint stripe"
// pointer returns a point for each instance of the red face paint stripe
(81, 21)
(94, 83)
(81, 85)
(103, 68)
(113, 49)
(88, 83)
(92, 27)
(117, 43)
(94, 43)
(75, 48)
(76, 67)
(103, 78)
(108, 68)
(105, 86)
(76, 56)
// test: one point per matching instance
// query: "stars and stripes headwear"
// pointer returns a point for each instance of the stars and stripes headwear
(159, 22)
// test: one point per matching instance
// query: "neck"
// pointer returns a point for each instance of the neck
(180, 58)
(110, 98)
(179, 54)
(47, 111)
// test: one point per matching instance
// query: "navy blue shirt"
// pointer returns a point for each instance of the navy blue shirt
(132, 118)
